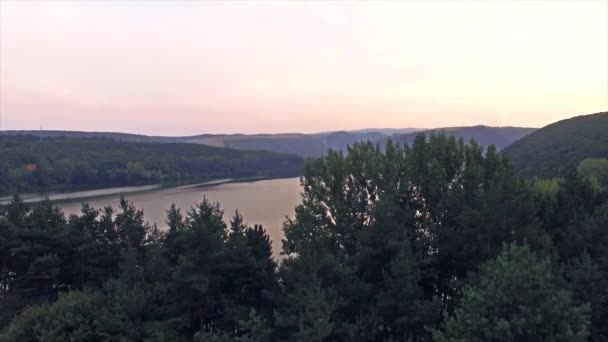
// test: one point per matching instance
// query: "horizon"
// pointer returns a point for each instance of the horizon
(187, 68)
(366, 129)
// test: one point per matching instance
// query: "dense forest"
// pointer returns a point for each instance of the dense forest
(32, 164)
(108, 135)
(557, 149)
(437, 241)
(305, 145)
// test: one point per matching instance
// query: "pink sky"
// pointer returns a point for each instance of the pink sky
(189, 67)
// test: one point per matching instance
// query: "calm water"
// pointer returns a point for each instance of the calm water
(265, 202)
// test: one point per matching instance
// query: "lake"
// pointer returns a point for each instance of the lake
(265, 202)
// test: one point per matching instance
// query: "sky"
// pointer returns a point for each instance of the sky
(191, 67)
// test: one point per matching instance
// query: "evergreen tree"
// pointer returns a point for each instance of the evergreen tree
(194, 300)
(401, 302)
(383, 241)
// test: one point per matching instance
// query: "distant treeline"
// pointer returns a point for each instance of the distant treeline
(304, 145)
(29, 163)
(440, 241)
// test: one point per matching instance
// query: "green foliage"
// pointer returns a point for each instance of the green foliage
(63, 163)
(596, 169)
(559, 148)
(517, 298)
(253, 329)
(383, 242)
(587, 265)
(576, 219)
(108, 275)
(114, 313)
(409, 223)
(547, 188)
(308, 311)
(68, 318)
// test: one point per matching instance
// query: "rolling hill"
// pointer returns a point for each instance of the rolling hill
(112, 135)
(31, 164)
(387, 131)
(306, 145)
(560, 147)
(483, 135)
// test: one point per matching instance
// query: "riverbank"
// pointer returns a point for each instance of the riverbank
(59, 197)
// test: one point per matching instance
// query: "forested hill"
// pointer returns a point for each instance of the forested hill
(555, 149)
(111, 135)
(306, 145)
(365, 259)
(483, 135)
(30, 163)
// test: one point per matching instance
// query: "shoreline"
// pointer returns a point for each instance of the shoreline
(60, 197)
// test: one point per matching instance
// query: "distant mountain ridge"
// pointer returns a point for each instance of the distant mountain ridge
(500, 137)
(307, 145)
(387, 131)
(556, 149)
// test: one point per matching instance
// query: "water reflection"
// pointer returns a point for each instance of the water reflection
(265, 202)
